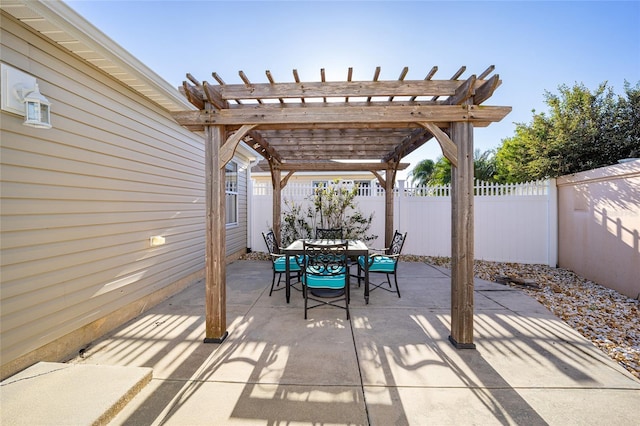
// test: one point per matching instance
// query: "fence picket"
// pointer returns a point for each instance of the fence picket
(485, 189)
(511, 220)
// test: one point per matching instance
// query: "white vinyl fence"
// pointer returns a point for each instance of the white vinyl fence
(513, 223)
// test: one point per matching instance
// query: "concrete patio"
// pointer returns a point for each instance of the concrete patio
(391, 364)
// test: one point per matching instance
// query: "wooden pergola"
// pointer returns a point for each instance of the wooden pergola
(311, 126)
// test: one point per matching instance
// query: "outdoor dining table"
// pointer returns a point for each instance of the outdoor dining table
(355, 248)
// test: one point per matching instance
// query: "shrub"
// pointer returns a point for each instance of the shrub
(332, 206)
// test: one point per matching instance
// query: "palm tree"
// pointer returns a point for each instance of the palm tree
(439, 173)
(484, 165)
(422, 172)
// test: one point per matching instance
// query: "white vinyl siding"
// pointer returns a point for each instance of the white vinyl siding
(80, 201)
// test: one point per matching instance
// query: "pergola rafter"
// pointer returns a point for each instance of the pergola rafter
(311, 126)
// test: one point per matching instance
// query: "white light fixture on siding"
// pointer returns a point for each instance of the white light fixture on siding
(36, 108)
(156, 240)
(21, 95)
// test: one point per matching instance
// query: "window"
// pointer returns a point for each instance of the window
(231, 192)
(364, 187)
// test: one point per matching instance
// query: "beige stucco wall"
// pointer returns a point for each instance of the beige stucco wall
(79, 202)
(599, 226)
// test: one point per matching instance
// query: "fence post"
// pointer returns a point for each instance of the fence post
(401, 196)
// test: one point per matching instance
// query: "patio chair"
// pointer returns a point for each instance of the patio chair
(325, 276)
(383, 262)
(329, 234)
(278, 262)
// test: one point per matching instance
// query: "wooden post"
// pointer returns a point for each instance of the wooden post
(277, 203)
(215, 268)
(390, 178)
(462, 238)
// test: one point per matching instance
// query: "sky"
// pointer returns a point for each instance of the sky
(536, 46)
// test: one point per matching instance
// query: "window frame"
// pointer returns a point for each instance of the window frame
(231, 192)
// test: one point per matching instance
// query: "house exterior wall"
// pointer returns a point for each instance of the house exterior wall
(79, 203)
(599, 226)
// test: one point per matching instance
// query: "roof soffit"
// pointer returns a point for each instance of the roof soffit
(63, 26)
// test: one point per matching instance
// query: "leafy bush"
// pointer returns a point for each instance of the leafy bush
(332, 206)
(294, 224)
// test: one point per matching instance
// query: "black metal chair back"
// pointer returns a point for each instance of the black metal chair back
(387, 263)
(329, 234)
(397, 242)
(270, 241)
(278, 262)
(325, 275)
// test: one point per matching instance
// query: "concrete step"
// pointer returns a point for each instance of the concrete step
(50, 393)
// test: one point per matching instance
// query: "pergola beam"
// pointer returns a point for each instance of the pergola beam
(337, 155)
(213, 96)
(229, 148)
(340, 89)
(192, 95)
(261, 146)
(333, 126)
(408, 144)
(311, 115)
(449, 148)
(463, 92)
(485, 91)
(336, 166)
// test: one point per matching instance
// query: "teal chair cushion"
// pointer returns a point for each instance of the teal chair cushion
(326, 281)
(281, 266)
(380, 264)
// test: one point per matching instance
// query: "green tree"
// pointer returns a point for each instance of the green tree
(484, 166)
(623, 129)
(441, 172)
(422, 172)
(582, 131)
(521, 155)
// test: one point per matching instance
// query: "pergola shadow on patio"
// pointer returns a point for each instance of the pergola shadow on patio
(391, 364)
(313, 126)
